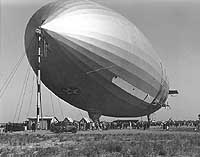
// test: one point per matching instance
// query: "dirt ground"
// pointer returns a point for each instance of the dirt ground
(127, 142)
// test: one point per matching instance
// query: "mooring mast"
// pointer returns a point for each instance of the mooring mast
(38, 32)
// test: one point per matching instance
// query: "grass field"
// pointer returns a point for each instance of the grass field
(135, 143)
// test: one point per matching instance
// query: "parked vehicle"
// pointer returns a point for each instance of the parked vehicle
(59, 127)
(10, 127)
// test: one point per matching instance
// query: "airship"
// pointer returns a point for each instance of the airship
(96, 60)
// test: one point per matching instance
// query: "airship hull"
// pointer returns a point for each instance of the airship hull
(95, 69)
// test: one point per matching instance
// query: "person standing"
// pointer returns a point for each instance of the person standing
(33, 127)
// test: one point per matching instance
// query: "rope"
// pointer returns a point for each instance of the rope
(20, 97)
(11, 75)
(24, 92)
(52, 103)
(60, 108)
(31, 96)
(81, 113)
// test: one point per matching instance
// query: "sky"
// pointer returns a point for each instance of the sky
(172, 27)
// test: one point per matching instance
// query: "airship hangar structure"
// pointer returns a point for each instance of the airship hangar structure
(96, 60)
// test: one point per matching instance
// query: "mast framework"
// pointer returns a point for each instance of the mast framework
(38, 32)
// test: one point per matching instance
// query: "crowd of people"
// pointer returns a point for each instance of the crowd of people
(165, 125)
(86, 124)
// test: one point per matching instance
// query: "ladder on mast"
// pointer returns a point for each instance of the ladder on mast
(41, 41)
